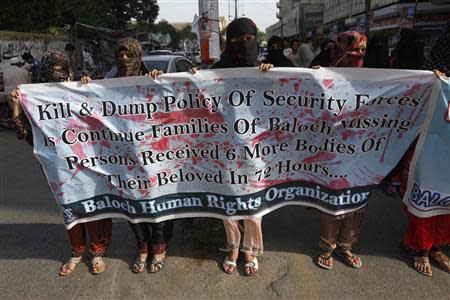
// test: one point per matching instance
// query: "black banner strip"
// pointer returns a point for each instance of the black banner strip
(270, 198)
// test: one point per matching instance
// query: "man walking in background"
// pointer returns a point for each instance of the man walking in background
(308, 51)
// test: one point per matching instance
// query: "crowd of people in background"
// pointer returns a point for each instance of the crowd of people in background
(425, 237)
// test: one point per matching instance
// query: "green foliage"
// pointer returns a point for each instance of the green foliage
(40, 16)
(186, 33)
(260, 36)
(164, 27)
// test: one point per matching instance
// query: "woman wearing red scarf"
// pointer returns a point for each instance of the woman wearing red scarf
(340, 233)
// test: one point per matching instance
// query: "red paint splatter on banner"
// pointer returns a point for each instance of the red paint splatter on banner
(350, 133)
(162, 144)
(422, 107)
(269, 182)
(54, 186)
(239, 164)
(328, 83)
(278, 135)
(297, 85)
(153, 180)
(219, 163)
(219, 80)
(340, 183)
(326, 116)
(186, 115)
(23, 99)
(414, 89)
(195, 160)
(149, 97)
(360, 113)
(143, 192)
(283, 81)
(187, 84)
(320, 156)
(77, 149)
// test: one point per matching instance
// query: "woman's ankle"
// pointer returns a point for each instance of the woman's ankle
(142, 255)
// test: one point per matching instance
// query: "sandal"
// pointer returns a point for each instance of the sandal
(65, 269)
(253, 264)
(229, 265)
(139, 265)
(98, 265)
(442, 260)
(324, 260)
(349, 258)
(422, 265)
(157, 264)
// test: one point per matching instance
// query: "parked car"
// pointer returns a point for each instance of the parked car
(165, 63)
(161, 52)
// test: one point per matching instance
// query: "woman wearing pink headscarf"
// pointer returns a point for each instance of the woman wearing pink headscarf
(340, 233)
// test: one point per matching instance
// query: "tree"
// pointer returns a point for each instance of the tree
(39, 16)
(121, 12)
(260, 36)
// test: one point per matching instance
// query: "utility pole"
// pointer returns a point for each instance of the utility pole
(414, 16)
(235, 9)
(369, 16)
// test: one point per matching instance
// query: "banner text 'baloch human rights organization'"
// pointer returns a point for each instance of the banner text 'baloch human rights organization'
(229, 143)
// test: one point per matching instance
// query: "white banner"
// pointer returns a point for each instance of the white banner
(229, 143)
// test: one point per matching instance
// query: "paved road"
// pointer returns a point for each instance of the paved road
(34, 243)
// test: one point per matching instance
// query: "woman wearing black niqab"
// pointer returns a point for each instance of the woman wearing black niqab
(241, 46)
(241, 50)
(276, 56)
(409, 53)
(377, 53)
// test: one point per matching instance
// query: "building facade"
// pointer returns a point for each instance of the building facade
(297, 18)
(387, 17)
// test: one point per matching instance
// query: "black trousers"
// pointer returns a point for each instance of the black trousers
(152, 235)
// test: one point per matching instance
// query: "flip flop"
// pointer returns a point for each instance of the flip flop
(327, 258)
(351, 260)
